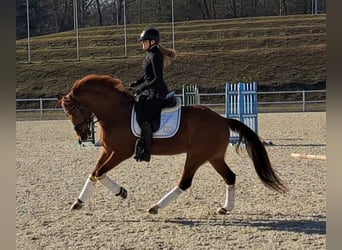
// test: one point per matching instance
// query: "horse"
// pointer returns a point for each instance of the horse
(203, 135)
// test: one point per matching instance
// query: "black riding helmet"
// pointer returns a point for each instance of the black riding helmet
(150, 34)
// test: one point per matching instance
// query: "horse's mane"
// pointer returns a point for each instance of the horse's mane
(95, 81)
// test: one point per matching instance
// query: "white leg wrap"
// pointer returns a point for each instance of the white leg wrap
(172, 195)
(110, 184)
(87, 190)
(230, 198)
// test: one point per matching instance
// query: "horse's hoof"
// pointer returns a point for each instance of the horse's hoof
(153, 210)
(77, 205)
(222, 210)
(123, 193)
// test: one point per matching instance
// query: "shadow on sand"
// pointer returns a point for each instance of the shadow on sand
(315, 225)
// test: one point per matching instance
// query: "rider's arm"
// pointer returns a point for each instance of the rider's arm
(137, 82)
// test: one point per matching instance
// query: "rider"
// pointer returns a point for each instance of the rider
(150, 90)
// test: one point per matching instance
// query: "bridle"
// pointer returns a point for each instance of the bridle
(88, 121)
(74, 109)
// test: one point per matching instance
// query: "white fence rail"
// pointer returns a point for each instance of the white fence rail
(287, 101)
(283, 101)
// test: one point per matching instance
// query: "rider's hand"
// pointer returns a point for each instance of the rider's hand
(133, 84)
(131, 88)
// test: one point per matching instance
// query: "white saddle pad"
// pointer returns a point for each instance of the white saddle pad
(169, 122)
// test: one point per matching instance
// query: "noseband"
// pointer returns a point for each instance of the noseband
(72, 108)
(86, 121)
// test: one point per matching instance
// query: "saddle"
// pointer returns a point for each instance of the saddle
(169, 119)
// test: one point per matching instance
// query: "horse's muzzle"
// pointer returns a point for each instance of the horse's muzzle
(84, 135)
(83, 131)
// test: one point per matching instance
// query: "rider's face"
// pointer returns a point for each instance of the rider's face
(145, 44)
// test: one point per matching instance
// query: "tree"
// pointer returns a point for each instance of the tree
(51, 16)
(37, 12)
(21, 21)
(99, 12)
(283, 7)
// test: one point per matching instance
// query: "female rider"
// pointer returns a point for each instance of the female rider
(150, 90)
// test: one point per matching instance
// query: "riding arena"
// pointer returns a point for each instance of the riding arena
(52, 168)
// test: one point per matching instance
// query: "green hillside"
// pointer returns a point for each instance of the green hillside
(285, 52)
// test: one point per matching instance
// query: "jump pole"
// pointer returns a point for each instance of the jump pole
(308, 156)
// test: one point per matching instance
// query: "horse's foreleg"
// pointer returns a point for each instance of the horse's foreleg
(89, 185)
(106, 162)
(112, 186)
(85, 193)
(101, 176)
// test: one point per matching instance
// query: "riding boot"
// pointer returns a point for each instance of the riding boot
(146, 134)
(139, 148)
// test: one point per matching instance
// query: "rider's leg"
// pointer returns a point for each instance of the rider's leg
(146, 134)
(144, 143)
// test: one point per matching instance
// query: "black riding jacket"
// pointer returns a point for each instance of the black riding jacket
(152, 79)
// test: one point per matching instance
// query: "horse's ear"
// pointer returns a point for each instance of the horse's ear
(59, 96)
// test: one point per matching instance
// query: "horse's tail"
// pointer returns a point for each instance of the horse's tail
(258, 154)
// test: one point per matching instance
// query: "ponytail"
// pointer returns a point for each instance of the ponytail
(169, 55)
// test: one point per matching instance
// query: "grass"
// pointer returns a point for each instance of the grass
(280, 53)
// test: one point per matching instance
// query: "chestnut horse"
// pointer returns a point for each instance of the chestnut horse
(203, 135)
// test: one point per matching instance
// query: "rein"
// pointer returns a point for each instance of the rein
(88, 121)
(72, 108)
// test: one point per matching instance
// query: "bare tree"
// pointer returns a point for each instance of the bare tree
(99, 12)
(254, 8)
(234, 8)
(213, 8)
(62, 14)
(206, 9)
(118, 11)
(140, 7)
(51, 16)
(283, 7)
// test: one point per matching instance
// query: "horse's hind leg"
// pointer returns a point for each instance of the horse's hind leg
(190, 168)
(229, 177)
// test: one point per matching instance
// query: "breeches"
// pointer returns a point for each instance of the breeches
(148, 110)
